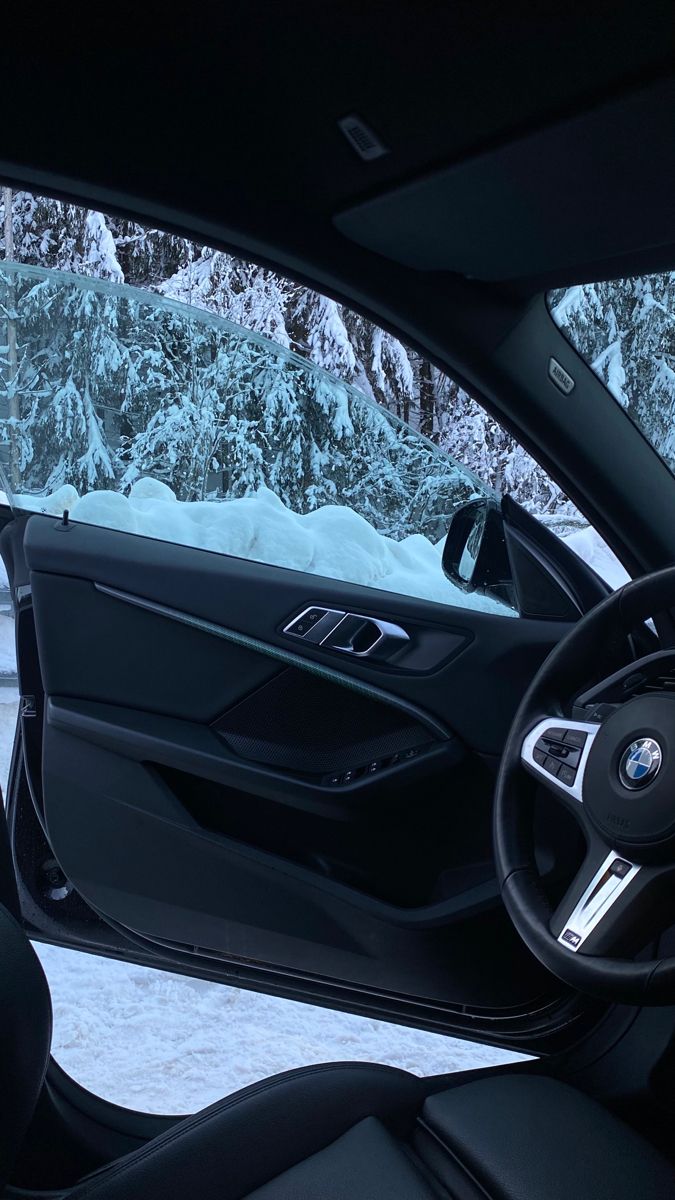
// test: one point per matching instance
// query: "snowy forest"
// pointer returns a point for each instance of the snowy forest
(102, 388)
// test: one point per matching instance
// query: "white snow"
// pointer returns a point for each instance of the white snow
(333, 541)
(590, 546)
(158, 1042)
(9, 706)
(7, 646)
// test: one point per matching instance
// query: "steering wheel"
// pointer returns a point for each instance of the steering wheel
(614, 770)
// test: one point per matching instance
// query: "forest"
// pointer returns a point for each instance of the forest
(205, 381)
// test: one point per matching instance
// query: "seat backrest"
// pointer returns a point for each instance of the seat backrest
(25, 1037)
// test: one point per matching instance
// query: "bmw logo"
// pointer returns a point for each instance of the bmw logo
(640, 763)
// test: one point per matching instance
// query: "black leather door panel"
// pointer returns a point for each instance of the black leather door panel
(218, 791)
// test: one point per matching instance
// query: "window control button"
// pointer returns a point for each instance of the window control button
(567, 775)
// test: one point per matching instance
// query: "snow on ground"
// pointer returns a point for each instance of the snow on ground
(589, 545)
(7, 647)
(159, 1042)
(9, 704)
(333, 541)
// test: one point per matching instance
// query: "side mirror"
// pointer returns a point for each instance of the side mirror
(475, 557)
(502, 551)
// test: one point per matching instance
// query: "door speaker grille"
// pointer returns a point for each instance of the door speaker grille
(300, 722)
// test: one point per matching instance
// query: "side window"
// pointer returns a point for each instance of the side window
(171, 391)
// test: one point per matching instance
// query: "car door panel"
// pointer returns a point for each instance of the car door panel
(215, 788)
(491, 657)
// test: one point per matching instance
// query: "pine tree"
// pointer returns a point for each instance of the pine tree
(625, 329)
(109, 388)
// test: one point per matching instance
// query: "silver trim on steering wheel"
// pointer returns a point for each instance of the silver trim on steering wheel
(527, 753)
(609, 882)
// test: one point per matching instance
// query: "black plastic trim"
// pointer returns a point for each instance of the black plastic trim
(282, 655)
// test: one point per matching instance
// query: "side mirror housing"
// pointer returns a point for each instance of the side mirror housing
(502, 551)
(475, 557)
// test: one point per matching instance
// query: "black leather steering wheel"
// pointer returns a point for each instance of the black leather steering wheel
(613, 767)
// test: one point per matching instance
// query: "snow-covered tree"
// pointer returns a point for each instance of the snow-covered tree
(625, 329)
(111, 387)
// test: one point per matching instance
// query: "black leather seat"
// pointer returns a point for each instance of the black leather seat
(347, 1131)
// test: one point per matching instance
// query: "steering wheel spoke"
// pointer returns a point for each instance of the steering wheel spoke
(556, 752)
(599, 908)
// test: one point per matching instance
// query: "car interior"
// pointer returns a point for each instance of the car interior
(428, 814)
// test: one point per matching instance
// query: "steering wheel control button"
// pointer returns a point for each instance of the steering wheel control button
(620, 868)
(560, 752)
(640, 763)
(576, 737)
(555, 734)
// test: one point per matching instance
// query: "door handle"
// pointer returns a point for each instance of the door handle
(348, 633)
(364, 637)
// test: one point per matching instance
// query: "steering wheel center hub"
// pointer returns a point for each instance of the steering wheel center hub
(640, 763)
(629, 788)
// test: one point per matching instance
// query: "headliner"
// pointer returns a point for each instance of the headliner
(229, 114)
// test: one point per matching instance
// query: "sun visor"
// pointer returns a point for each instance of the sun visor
(596, 188)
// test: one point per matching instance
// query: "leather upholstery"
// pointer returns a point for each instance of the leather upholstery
(235, 1147)
(522, 1136)
(364, 1164)
(25, 1036)
(359, 1132)
(342, 1131)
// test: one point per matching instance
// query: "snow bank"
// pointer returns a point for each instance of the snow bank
(333, 541)
(589, 545)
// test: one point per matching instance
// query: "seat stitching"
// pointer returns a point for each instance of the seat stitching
(195, 1122)
(451, 1154)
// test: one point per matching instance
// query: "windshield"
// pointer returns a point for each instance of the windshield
(625, 330)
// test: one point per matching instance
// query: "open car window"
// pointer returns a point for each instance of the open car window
(145, 380)
(143, 414)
